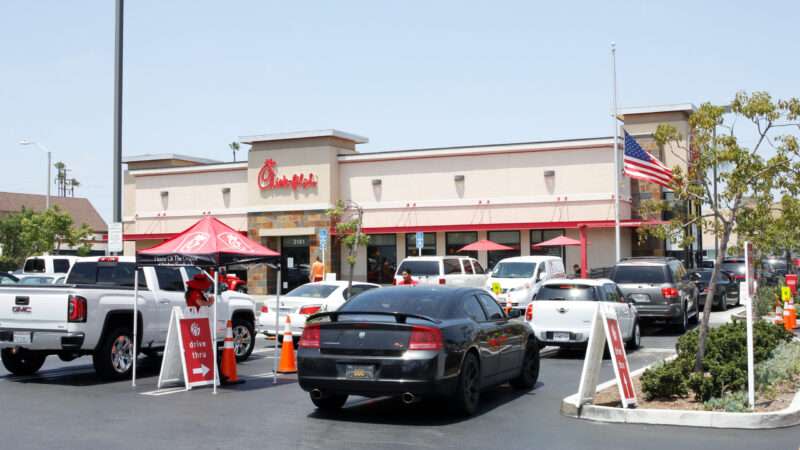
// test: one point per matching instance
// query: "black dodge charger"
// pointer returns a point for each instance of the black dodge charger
(415, 342)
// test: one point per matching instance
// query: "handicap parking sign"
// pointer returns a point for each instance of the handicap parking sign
(420, 239)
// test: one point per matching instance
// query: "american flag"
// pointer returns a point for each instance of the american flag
(641, 165)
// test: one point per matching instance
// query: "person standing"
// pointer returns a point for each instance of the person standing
(407, 280)
(317, 271)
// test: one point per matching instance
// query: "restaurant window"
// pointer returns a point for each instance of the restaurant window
(507, 238)
(545, 235)
(381, 258)
(455, 241)
(428, 250)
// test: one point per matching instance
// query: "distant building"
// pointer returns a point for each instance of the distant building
(80, 209)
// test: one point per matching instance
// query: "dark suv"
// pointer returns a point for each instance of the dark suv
(660, 287)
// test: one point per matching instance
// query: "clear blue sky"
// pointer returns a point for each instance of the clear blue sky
(405, 74)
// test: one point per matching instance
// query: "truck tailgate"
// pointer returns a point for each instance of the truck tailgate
(34, 308)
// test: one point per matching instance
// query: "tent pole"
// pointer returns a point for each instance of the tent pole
(277, 324)
(135, 321)
(214, 328)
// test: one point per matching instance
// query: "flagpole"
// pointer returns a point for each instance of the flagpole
(616, 156)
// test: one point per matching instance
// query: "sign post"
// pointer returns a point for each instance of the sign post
(420, 242)
(323, 242)
(605, 328)
(188, 355)
(115, 237)
(750, 295)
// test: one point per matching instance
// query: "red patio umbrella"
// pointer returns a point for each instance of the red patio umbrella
(560, 241)
(207, 243)
(484, 245)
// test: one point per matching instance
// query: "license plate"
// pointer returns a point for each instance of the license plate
(22, 337)
(360, 372)
(640, 298)
(501, 299)
(561, 337)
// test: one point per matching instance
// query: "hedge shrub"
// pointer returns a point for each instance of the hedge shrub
(724, 365)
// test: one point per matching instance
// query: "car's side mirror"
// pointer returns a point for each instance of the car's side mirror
(514, 313)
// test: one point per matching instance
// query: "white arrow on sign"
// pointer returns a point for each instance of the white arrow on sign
(202, 370)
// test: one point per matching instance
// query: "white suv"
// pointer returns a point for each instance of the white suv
(444, 270)
(518, 279)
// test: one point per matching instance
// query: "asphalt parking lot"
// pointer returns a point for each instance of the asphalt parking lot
(65, 406)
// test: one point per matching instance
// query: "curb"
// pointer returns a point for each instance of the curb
(787, 417)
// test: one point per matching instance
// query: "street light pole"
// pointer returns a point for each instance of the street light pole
(44, 149)
(118, 112)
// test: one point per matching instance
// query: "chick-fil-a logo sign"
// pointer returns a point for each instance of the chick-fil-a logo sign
(269, 179)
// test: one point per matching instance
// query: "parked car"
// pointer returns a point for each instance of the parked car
(774, 270)
(93, 315)
(562, 312)
(429, 341)
(519, 277)
(726, 293)
(7, 278)
(456, 271)
(49, 264)
(736, 266)
(660, 287)
(304, 301)
(36, 279)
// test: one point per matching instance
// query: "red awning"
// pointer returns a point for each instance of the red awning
(560, 241)
(484, 245)
(209, 242)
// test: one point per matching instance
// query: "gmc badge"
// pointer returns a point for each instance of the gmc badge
(21, 309)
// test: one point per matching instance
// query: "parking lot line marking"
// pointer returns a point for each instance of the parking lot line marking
(55, 373)
(655, 350)
(260, 375)
(167, 391)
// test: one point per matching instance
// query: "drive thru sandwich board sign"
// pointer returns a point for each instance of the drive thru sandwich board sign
(605, 328)
(188, 355)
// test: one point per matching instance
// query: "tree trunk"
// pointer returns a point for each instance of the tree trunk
(709, 303)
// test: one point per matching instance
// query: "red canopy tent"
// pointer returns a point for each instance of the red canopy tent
(484, 245)
(208, 243)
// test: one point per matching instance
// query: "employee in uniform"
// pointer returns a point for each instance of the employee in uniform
(407, 280)
(317, 271)
(196, 288)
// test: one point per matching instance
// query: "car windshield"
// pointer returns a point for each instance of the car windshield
(36, 280)
(419, 268)
(313, 291)
(408, 301)
(567, 291)
(733, 266)
(639, 275)
(513, 270)
(702, 275)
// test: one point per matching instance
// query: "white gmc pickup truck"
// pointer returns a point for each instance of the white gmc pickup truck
(92, 314)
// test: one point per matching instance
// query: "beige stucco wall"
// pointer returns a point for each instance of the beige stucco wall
(674, 155)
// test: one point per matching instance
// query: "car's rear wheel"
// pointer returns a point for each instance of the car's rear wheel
(329, 403)
(723, 302)
(468, 393)
(683, 325)
(22, 361)
(113, 358)
(530, 369)
(636, 337)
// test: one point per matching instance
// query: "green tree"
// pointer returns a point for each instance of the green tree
(29, 233)
(234, 146)
(756, 161)
(348, 217)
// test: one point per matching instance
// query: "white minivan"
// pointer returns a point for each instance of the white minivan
(518, 279)
(444, 270)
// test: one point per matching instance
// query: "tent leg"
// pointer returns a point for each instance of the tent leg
(277, 324)
(135, 323)
(584, 269)
(214, 329)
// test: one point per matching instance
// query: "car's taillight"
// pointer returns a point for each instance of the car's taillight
(108, 259)
(669, 292)
(442, 281)
(264, 309)
(310, 337)
(394, 281)
(310, 309)
(425, 338)
(529, 312)
(76, 309)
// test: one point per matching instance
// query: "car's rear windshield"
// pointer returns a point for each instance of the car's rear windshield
(420, 268)
(105, 274)
(566, 291)
(513, 270)
(703, 275)
(414, 301)
(313, 291)
(733, 266)
(34, 265)
(640, 275)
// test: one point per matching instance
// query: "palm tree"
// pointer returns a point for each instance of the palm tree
(234, 146)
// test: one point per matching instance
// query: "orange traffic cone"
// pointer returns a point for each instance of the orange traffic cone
(287, 363)
(228, 367)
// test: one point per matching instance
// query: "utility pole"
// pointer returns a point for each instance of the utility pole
(118, 111)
